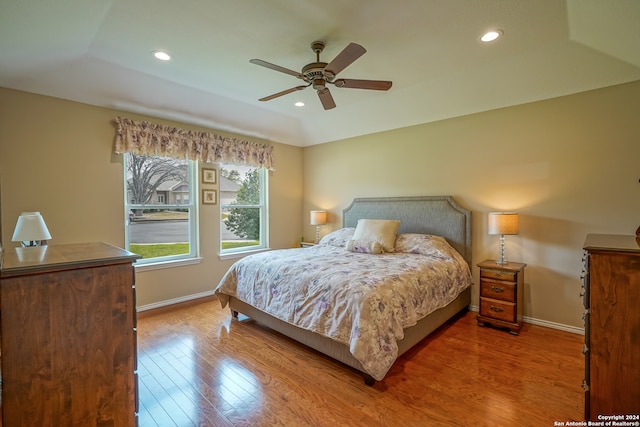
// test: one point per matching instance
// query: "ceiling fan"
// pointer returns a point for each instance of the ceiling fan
(319, 74)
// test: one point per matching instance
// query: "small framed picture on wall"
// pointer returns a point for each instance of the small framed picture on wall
(209, 197)
(208, 176)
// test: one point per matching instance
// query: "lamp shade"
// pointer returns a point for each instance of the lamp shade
(502, 223)
(318, 217)
(30, 227)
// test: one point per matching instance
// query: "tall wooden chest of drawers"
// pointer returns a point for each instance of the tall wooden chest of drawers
(68, 336)
(611, 297)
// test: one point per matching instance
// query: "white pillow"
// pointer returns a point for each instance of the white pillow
(378, 230)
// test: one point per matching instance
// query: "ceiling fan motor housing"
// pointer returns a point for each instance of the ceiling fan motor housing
(314, 71)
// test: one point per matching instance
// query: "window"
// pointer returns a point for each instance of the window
(243, 209)
(161, 221)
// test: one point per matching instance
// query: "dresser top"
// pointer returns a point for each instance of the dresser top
(30, 260)
(612, 242)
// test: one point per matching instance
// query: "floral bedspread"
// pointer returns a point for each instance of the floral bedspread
(361, 300)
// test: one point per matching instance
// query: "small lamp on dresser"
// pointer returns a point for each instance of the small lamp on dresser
(503, 223)
(318, 218)
(31, 230)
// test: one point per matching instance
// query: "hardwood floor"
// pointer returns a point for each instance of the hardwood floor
(198, 367)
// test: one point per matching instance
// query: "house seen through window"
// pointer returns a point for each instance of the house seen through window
(159, 210)
(243, 209)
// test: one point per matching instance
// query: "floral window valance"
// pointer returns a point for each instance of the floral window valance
(150, 139)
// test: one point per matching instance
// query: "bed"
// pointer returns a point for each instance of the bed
(298, 293)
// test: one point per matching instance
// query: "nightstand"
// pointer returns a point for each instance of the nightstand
(307, 244)
(501, 294)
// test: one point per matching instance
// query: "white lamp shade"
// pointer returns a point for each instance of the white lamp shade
(30, 227)
(318, 217)
(501, 223)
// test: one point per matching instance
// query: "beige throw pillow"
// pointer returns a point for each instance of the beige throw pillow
(378, 230)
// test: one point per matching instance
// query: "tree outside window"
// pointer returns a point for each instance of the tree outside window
(243, 208)
(160, 217)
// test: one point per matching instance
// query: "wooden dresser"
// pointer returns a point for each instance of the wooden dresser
(611, 297)
(68, 336)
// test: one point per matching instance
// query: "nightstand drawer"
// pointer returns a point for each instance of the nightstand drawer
(498, 290)
(497, 309)
(509, 276)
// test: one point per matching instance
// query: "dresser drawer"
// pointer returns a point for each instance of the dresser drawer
(487, 273)
(504, 291)
(500, 310)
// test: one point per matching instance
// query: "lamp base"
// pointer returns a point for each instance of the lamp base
(33, 243)
(501, 260)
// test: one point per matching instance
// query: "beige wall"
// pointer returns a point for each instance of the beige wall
(56, 157)
(569, 166)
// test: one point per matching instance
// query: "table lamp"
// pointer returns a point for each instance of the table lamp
(318, 218)
(502, 223)
(31, 230)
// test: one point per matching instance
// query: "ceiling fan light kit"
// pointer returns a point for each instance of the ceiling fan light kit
(318, 74)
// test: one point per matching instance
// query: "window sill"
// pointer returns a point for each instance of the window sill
(237, 255)
(166, 264)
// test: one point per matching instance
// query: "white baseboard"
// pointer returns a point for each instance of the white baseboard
(533, 321)
(174, 301)
(545, 323)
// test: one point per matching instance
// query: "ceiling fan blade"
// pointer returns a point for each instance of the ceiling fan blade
(363, 84)
(345, 58)
(327, 100)
(275, 67)
(284, 92)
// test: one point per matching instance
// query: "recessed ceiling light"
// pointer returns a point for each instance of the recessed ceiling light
(299, 104)
(491, 36)
(161, 55)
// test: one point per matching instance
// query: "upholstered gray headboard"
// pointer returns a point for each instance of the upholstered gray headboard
(439, 215)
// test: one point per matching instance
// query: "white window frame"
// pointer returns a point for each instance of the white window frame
(194, 244)
(264, 219)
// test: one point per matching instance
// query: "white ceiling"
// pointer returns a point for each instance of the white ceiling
(99, 52)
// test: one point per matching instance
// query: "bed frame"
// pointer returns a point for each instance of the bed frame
(439, 215)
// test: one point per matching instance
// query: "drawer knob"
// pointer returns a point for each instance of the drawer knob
(497, 289)
(496, 309)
